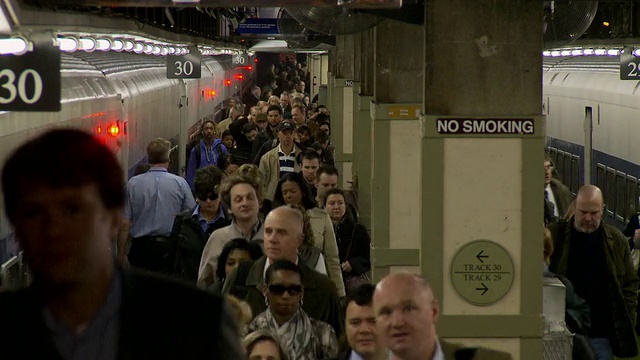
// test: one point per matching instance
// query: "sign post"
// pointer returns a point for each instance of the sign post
(31, 82)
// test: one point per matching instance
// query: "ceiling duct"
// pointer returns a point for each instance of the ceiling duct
(566, 20)
(297, 36)
(334, 20)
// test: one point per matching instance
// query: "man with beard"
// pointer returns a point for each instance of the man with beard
(595, 257)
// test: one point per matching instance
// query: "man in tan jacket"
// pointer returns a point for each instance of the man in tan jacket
(279, 160)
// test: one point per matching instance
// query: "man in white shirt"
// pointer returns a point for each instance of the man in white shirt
(555, 192)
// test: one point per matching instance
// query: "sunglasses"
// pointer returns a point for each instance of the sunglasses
(279, 290)
(210, 196)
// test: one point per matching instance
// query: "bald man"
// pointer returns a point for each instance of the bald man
(595, 257)
(406, 314)
(283, 234)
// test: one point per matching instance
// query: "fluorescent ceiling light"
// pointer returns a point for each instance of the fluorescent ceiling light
(613, 52)
(103, 44)
(13, 46)
(576, 52)
(129, 45)
(589, 51)
(68, 44)
(138, 48)
(118, 45)
(87, 44)
(600, 52)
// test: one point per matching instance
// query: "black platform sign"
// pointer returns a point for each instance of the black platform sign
(240, 60)
(31, 82)
(485, 126)
(629, 65)
(184, 67)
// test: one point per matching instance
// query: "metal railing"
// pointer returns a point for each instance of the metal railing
(14, 273)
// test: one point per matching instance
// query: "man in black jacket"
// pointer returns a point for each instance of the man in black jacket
(192, 228)
(66, 212)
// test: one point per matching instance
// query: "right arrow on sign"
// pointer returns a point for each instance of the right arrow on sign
(484, 288)
(480, 256)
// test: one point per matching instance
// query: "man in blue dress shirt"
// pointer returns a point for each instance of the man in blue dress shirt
(153, 200)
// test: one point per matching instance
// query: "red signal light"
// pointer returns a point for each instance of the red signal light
(227, 82)
(99, 130)
(255, 60)
(114, 130)
(248, 68)
(211, 93)
(239, 77)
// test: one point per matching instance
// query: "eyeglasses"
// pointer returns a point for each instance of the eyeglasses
(210, 196)
(279, 290)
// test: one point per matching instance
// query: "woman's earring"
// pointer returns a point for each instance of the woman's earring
(301, 301)
(266, 301)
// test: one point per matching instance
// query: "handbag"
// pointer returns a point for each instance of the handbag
(354, 281)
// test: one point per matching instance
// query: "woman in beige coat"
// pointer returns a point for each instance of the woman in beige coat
(292, 189)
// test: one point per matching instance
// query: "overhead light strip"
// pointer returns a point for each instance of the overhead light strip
(588, 51)
(71, 42)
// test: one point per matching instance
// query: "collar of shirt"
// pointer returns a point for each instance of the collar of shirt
(158, 168)
(268, 262)
(196, 212)
(68, 340)
(292, 153)
(437, 352)
(353, 355)
(254, 229)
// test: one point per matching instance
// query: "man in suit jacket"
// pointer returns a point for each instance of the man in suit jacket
(282, 238)
(555, 192)
(406, 315)
(360, 327)
(66, 213)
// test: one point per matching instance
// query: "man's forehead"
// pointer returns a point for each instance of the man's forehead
(355, 310)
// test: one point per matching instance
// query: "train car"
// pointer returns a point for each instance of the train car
(125, 100)
(592, 121)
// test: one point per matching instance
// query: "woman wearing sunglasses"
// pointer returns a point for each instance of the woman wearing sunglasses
(302, 337)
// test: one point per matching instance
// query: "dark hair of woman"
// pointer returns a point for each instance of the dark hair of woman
(254, 250)
(307, 199)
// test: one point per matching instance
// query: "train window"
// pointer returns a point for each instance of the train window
(601, 178)
(610, 194)
(575, 174)
(566, 173)
(621, 203)
(632, 196)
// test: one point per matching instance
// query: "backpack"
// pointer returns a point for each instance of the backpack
(217, 151)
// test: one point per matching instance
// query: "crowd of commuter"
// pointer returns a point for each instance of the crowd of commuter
(256, 253)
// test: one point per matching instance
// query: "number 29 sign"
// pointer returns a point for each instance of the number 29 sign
(31, 82)
(184, 67)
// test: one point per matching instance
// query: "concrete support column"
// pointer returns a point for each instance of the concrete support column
(483, 61)
(395, 149)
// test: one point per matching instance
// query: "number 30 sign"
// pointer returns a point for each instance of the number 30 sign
(184, 67)
(31, 82)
